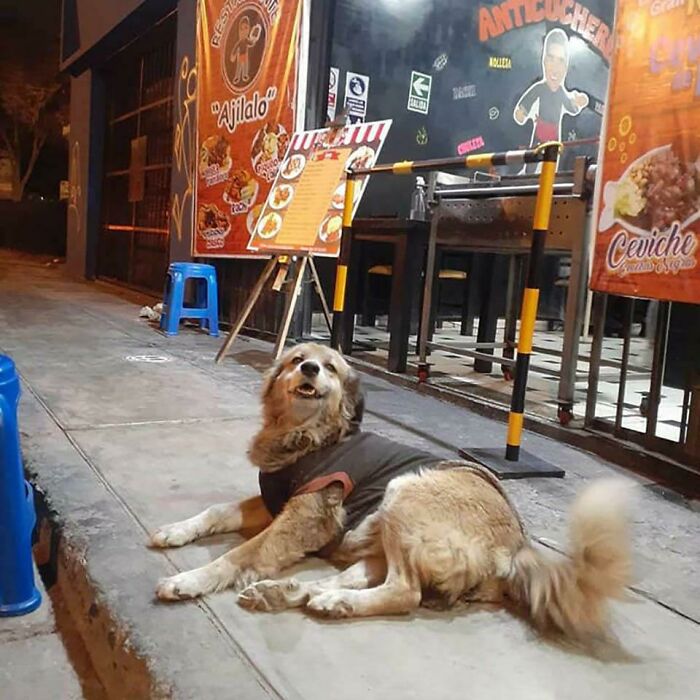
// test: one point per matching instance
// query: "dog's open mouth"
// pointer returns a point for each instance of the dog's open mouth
(306, 391)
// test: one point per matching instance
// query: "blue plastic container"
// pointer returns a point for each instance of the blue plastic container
(18, 594)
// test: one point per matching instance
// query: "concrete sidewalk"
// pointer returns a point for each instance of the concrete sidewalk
(33, 661)
(124, 430)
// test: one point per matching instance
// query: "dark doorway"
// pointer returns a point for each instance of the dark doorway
(139, 80)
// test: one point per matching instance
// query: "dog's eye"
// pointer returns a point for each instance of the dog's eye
(297, 360)
(330, 367)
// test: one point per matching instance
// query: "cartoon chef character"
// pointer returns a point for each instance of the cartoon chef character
(247, 38)
(547, 101)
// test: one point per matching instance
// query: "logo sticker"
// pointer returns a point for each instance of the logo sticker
(356, 93)
(440, 62)
(419, 92)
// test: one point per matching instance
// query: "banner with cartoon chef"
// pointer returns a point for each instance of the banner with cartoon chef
(648, 196)
(247, 59)
(303, 213)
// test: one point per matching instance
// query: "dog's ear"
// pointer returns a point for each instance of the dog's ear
(271, 377)
(353, 399)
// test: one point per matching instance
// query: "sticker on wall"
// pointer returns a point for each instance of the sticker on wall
(470, 145)
(462, 92)
(333, 80)
(494, 113)
(572, 135)
(500, 62)
(440, 62)
(422, 136)
(545, 102)
(356, 93)
(419, 92)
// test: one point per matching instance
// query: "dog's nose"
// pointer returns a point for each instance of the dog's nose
(310, 368)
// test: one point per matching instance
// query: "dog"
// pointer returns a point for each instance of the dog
(402, 522)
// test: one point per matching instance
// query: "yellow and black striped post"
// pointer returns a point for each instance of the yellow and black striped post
(341, 270)
(528, 315)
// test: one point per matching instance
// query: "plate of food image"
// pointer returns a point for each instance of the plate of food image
(269, 226)
(361, 158)
(270, 145)
(252, 218)
(331, 228)
(211, 221)
(293, 166)
(215, 153)
(657, 189)
(281, 196)
(241, 189)
(338, 199)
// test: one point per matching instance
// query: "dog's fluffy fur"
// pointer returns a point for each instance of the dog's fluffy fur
(452, 531)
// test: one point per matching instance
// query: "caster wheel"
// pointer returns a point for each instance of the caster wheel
(565, 416)
(644, 406)
(507, 373)
(423, 374)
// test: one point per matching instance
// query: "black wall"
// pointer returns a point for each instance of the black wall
(387, 39)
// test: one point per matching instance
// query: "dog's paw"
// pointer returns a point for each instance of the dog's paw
(270, 595)
(182, 586)
(332, 604)
(174, 535)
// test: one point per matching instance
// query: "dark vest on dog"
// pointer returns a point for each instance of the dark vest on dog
(364, 463)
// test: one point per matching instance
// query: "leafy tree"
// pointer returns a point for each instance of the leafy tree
(33, 95)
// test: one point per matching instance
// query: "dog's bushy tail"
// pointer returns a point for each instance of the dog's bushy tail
(571, 594)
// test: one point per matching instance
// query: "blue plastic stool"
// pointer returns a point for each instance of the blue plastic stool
(206, 298)
(18, 594)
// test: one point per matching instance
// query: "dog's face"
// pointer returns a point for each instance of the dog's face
(312, 382)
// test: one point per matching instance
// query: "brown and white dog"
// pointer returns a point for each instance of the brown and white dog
(445, 527)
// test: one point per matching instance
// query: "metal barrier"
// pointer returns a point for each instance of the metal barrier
(18, 594)
(546, 154)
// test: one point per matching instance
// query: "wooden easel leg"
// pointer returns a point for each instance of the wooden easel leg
(250, 303)
(289, 305)
(319, 291)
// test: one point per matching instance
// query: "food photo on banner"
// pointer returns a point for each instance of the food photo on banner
(304, 211)
(648, 213)
(246, 108)
(460, 78)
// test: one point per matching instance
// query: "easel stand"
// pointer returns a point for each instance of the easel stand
(290, 274)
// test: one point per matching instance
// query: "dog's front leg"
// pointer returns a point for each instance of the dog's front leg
(308, 523)
(224, 517)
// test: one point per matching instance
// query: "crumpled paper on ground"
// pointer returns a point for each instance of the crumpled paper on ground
(152, 314)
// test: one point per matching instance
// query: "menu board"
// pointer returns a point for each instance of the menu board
(304, 210)
(247, 62)
(648, 198)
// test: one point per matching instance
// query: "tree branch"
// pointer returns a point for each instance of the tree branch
(37, 145)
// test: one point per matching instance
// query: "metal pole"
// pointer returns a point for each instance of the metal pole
(341, 270)
(528, 316)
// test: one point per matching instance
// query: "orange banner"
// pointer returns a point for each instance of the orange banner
(648, 215)
(247, 58)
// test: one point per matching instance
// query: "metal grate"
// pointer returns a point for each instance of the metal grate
(138, 156)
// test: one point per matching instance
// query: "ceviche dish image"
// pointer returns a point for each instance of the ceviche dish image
(656, 190)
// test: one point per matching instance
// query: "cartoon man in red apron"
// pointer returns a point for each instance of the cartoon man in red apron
(547, 101)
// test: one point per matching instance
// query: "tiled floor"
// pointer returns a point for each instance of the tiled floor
(457, 372)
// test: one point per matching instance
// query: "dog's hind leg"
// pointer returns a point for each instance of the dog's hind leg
(400, 592)
(291, 593)
(224, 517)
